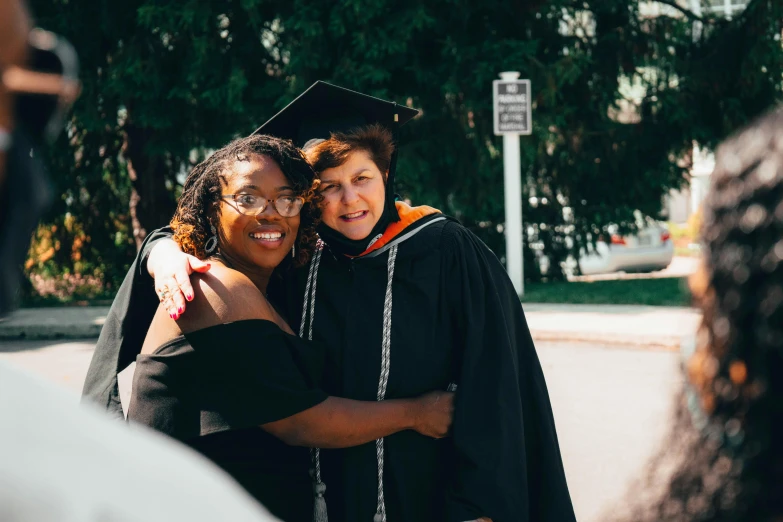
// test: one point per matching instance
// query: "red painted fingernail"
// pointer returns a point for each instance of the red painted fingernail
(179, 310)
(189, 297)
(172, 316)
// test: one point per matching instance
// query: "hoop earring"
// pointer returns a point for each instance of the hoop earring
(212, 242)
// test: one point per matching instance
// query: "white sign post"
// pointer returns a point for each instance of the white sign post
(511, 97)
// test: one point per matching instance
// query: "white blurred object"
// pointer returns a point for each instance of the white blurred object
(68, 463)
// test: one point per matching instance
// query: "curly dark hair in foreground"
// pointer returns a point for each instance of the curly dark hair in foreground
(203, 187)
(727, 443)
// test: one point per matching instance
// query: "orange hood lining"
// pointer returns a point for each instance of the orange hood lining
(408, 216)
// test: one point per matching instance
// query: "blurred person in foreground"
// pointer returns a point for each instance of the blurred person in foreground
(58, 461)
(67, 463)
(726, 448)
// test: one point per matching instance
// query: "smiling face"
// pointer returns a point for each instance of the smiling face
(253, 243)
(354, 196)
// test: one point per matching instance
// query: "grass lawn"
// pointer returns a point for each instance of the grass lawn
(671, 291)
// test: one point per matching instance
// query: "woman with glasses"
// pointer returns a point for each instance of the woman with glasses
(231, 379)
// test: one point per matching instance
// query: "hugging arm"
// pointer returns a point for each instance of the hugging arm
(341, 423)
(261, 377)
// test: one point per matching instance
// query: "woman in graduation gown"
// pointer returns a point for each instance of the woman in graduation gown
(231, 379)
(405, 300)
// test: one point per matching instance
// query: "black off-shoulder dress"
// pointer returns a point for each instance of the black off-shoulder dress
(213, 388)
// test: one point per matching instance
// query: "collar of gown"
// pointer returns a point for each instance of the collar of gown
(380, 236)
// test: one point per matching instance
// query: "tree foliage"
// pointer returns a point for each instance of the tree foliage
(162, 83)
(619, 98)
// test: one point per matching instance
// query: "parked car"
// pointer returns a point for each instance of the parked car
(649, 249)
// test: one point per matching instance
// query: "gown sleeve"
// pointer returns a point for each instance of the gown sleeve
(508, 465)
(123, 331)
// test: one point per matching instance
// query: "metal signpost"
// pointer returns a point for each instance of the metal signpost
(511, 97)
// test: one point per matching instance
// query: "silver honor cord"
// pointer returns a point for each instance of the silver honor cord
(383, 381)
(319, 488)
(309, 302)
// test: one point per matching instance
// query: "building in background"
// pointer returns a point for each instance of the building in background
(727, 8)
(678, 205)
(682, 204)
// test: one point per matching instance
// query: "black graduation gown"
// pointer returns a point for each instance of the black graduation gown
(456, 317)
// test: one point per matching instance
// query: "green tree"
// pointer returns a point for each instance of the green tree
(620, 96)
(593, 150)
(162, 83)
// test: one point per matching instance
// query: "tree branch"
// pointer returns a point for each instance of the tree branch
(690, 15)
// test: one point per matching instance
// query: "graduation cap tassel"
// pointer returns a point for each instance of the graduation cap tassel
(319, 514)
(390, 193)
(319, 488)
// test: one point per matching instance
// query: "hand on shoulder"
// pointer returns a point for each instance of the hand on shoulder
(171, 269)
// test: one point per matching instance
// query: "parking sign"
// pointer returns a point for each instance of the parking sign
(512, 106)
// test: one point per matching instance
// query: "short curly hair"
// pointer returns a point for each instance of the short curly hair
(203, 188)
(376, 140)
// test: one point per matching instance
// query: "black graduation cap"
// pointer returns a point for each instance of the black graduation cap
(325, 108)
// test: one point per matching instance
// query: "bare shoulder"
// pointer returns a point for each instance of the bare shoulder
(223, 295)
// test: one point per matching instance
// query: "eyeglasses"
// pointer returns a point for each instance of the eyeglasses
(250, 205)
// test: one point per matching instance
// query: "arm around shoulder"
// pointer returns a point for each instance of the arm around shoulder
(303, 416)
(157, 241)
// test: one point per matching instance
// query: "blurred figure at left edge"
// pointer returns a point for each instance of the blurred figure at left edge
(55, 456)
(38, 83)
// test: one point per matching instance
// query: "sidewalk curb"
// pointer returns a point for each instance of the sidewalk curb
(657, 343)
(53, 323)
(86, 323)
(92, 331)
(47, 333)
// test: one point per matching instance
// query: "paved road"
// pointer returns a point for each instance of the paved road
(612, 407)
(64, 362)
